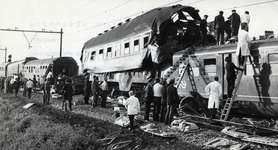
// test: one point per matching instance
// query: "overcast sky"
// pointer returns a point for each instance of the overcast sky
(84, 19)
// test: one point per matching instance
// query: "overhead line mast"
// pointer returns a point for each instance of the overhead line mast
(43, 31)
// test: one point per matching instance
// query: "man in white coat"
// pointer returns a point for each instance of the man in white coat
(243, 44)
(215, 90)
(133, 108)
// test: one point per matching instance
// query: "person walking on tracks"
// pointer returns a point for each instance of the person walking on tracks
(133, 108)
(29, 86)
(230, 76)
(67, 93)
(215, 90)
(173, 101)
(148, 98)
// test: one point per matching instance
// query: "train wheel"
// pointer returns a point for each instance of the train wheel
(190, 105)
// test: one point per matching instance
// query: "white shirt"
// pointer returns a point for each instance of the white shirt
(104, 86)
(158, 90)
(215, 90)
(245, 18)
(29, 84)
(133, 106)
(243, 43)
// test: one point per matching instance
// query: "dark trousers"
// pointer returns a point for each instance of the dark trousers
(171, 111)
(131, 119)
(231, 86)
(24, 91)
(29, 91)
(234, 30)
(16, 91)
(163, 112)
(156, 110)
(95, 97)
(103, 98)
(212, 112)
(69, 99)
(220, 35)
(203, 37)
(86, 97)
(46, 97)
(147, 110)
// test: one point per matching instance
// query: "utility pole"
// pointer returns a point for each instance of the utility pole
(43, 31)
(5, 53)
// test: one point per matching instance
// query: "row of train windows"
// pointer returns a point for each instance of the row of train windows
(109, 53)
(34, 67)
(2, 68)
(266, 68)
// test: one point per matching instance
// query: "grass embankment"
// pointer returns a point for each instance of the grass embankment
(48, 128)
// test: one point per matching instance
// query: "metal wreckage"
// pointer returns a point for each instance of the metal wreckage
(165, 42)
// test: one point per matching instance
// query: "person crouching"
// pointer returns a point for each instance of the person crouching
(133, 108)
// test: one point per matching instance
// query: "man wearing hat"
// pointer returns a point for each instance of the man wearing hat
(148, 98)
(203, 29)
(235, 22)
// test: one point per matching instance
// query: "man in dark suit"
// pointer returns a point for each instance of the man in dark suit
(203, 29)
(231, 75)
(172, 102)
(235, 22)
(219, 26)
(148, 98)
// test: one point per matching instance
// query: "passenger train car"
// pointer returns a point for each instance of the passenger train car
(134, 50)
(31, 66)
(257, 93)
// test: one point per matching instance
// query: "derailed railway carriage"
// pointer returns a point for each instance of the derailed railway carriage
(134, 50)
(257, 92)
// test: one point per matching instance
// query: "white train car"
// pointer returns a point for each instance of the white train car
(17, 67)
(3, 69)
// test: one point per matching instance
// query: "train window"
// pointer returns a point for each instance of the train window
(210, 67)
(146, 39)
(109, 52)
(136, 46)
(273, 64)
(100, 54)
(118, 50)
(93, 54)
(127, 48)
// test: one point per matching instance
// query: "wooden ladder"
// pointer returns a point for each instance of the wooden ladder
(229, 102)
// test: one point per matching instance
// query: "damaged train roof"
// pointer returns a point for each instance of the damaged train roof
(150, 20)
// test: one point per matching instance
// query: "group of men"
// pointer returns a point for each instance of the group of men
(95, 89)
(165, 100)
(230, 27)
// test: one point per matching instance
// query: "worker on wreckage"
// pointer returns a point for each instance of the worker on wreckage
(169, 36)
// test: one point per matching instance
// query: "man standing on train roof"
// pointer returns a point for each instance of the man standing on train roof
(29, 86)
(104, 93)
(148, 98)
(230, 76)
(215, 90)
(246, 19)
(95, 91)
(235, 22)
(219, 26)
(173, 102)
(158, 90)
(243, 44)
(203, 29)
